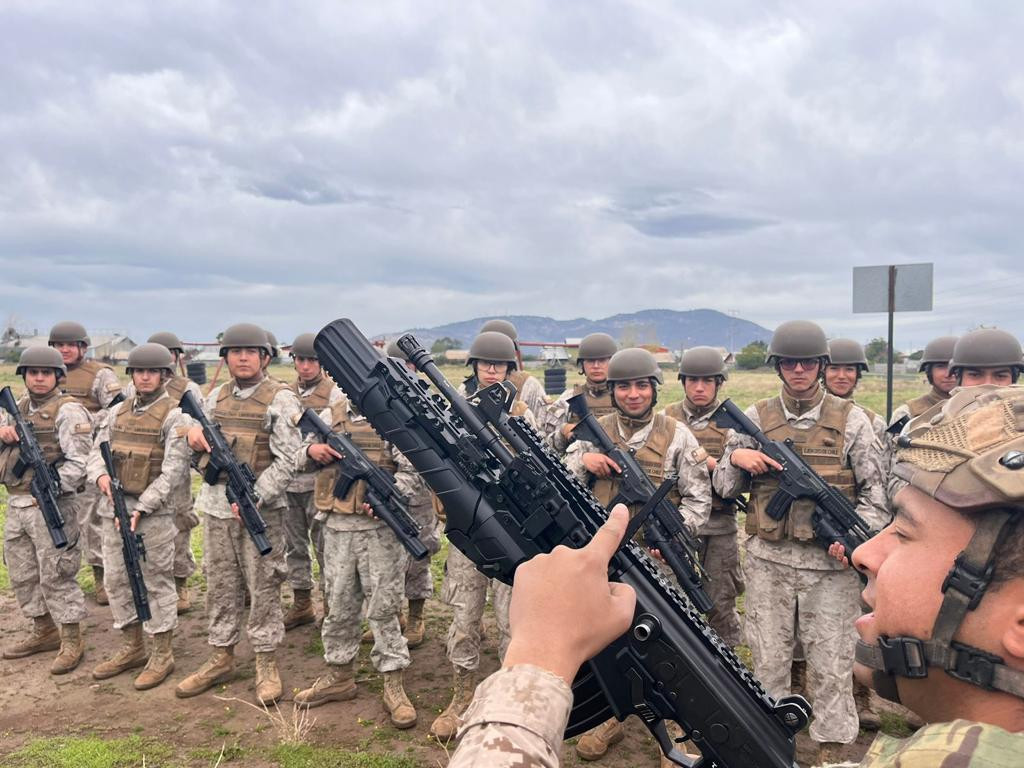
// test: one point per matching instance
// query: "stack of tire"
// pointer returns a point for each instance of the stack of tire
(554, 381)
(197, 372)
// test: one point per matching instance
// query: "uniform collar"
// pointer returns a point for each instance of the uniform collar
(800, 407)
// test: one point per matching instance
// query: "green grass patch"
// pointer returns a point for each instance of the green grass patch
(894, 725)
(307, 756)
(91, 752)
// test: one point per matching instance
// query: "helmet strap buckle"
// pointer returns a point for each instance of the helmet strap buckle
(903, 656)
(967, 580)
(973, 665)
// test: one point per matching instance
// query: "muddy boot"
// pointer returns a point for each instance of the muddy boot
(912, 719)
(869, 719)
(268, 679)
(830, 752)
(595, 743)
(338, 685)
(72, 647)
(301, 611)
(184, 598)
(219, 668)
(414, 628)
(447, 723)
(131, 654)
(160, 664)
(798, 677)
(403, 714)
(45, 637)
(101, 593)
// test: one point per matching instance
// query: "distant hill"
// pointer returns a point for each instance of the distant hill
(668, 327)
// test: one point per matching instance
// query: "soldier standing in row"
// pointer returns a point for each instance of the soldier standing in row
(702, 373)
(847, 363)
(258, 417)
(95, 386)
(315, 391)
(146, 433)
(790, 578)
(592, 357)
(42, 576)
(529, 390)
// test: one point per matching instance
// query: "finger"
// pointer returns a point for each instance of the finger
(612, 465)
(334, 453)
(609, 536)
(768, 460)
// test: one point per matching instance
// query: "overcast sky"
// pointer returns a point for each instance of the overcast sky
(191, 165)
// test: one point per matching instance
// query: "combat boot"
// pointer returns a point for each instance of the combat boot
(447, 723)
(131, 654)
(160, 664)
(830, 752)
(72, 647)
(184, 598)
(403, 714)
(219, 668)
(268, 679)
(869, 719)
(101, 593)
(594, 744)
(301, 611)
(338, 685)
(415, 630)
(45, 637)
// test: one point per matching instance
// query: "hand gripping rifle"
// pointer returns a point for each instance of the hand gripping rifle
(509, 498)
(45, 486)
(834, 518)
(133, 548)
(239, 477)
(664, 529)
(381, 494)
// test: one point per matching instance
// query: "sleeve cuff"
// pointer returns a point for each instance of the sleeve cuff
(525, 696)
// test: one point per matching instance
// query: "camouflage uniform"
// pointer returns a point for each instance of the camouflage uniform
(362, 556)
(419, 583)
(599, 400)
(157, 521)
(42, 576)
(787, 578)
(230, 561)
(528, 389)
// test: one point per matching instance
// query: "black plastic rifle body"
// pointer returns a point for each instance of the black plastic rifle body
(133, 548)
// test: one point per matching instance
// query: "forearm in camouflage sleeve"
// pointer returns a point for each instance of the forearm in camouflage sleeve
(730, 481)
(694, 485)
(74, 432)
(105, 387)
(407, 479)
(865, 457)
(574, 459)
(95, 468)
(285, 441)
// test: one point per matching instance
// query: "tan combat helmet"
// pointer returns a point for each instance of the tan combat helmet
(937, 351)
(272, 340)
(169, 340)
(150, 355)
(634, 363)
(68, 332)
(847, 352)
(244, 335)
(973, 461)
(494, 346)
(595, 346)
(987, 348)
(501, 326)
(303, 346)
(396, 351)
(702, 363)
(41, 357)
(798, 340)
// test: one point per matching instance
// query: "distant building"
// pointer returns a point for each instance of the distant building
(110, 349)
(456, 356)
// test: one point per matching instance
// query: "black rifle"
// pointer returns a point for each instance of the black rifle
(508, 498)
(664, 529)
(834, 517)
(239, 476)
(133, 548)
(45, 486)
(897, 426)
(381, 494)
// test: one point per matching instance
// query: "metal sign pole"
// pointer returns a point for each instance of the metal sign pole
(889, 354)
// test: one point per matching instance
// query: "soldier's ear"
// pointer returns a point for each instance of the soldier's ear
(1013, 635)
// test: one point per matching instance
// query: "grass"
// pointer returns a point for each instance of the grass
(91, 752)
(307, 756)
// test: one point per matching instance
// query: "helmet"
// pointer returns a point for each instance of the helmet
(150, 355)
(596, 346)
(938, 350)
(169, 340)
(986, 348)
(303, 346)
(799, 339)
(492, 345)
(274, 351)
(244, 335)
(68, 332)
(847, 352)
(634, 363)
(501, 326)
(396, 351)
(702, 362)
(41, 357)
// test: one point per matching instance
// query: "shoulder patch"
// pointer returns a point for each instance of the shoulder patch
(698, 455)
(114, 387)
(84, 428)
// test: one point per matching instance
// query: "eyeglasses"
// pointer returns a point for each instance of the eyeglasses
(490, 365)
(790, 363)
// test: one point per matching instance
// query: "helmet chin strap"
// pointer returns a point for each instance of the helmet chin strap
(963, 588)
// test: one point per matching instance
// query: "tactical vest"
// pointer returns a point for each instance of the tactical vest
(369, 442)
(601, 405)
(919, 405)
(176, 386)
(317, 397)
(79, 381)
(241, 421)
(651, 457)
(821, 447)
(44, 426)
(135, 444)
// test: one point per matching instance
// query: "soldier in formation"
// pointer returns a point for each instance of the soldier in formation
(592, 358)
(528, 389)
(935, 366)
(847, 363)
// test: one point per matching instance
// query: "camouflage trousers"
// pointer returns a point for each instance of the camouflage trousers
(720, 556)
(827, 603)
(370, 565)
(419, 584)
(185, 519)
(43, 577)
(465, 590)
(90, 524)
(300, 526)
(158, 532)
(232, 565)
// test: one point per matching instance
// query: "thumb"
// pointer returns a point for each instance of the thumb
(623, 606)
